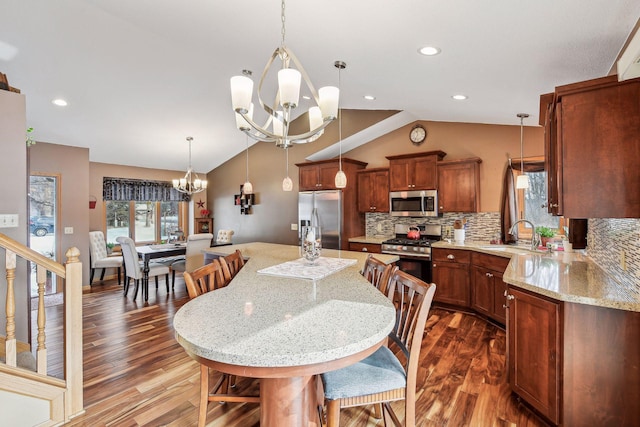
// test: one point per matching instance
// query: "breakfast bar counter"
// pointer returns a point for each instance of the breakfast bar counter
(285, 330)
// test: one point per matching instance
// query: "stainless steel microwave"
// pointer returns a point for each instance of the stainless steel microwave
(413, 203)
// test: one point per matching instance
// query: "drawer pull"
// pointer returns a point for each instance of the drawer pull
(365, 250)
(510, 297)
(451, 256)
(489, 274)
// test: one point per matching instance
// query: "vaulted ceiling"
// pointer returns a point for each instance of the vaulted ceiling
(140, 76)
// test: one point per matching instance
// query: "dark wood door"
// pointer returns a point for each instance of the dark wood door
(452, 281)
(459, 186)
(482, 290)
(425, 173)
(534, 331)
(400, 174)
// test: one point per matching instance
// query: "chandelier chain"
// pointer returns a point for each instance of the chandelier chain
(282, 17)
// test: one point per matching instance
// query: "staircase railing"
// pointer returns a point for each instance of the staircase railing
(64, 395)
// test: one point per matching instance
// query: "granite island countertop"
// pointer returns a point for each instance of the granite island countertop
(261, 320)
(571, 277)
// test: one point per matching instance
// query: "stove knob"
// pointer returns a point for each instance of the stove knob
(404, 248)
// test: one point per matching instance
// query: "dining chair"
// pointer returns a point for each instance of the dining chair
(194, 257)
(231, 264)
(385, 376)
(378, 273)
(199, 281)
(134, 267)
(224, 236)
(99, 258)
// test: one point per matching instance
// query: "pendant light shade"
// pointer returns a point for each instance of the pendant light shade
(287, 183)
(247, 187)
(522, 183)
(340, 179)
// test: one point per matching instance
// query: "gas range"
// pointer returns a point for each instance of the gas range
(403, 246)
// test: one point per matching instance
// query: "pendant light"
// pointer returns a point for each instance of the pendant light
(341, 178)
(247, 187)
(522, 183)
(287, 184)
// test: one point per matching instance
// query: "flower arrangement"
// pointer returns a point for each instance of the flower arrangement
(205, 213)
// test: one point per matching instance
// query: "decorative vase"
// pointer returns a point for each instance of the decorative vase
(312, 238)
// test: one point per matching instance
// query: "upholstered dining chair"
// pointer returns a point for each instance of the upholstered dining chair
(199, 281)
(383, 377)
(98, 256)
(378, 273)
(133, 266)
(194, 257)
(231, 264)
(224, 236)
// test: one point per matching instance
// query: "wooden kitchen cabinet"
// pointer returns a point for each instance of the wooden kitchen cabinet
(365, 247)
(373, 190)
(318, 176)
(591, 148)
(416, 171)
(459, 185)
(451, 276)
(487, 287)
(534, 335)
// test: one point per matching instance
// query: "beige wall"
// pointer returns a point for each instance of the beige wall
(13, 200)
(276, 210)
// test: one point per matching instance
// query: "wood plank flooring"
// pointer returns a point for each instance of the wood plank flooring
(135, 373)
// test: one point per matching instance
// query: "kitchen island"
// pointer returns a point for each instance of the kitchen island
(285, 330)
(573, 334)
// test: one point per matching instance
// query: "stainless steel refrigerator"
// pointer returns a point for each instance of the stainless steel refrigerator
(329, 205)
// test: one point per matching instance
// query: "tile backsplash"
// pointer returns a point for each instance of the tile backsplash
(606, 238)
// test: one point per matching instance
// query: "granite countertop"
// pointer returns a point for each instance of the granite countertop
(571, 277)
(375, 240)
(262, 320)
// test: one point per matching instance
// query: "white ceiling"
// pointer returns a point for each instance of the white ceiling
(141, 75)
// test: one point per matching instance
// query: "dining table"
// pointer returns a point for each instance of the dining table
(284, 320)
(149, 252)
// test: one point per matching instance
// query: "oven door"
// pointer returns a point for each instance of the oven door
(419, 267)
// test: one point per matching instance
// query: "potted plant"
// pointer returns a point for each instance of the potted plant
(110, 248)
(546, 234)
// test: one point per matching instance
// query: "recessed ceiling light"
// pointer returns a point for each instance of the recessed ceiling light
(60, 102)
(460, 97)
(429, 50)
(369, 97)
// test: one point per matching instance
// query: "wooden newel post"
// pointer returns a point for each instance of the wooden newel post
(73, 333)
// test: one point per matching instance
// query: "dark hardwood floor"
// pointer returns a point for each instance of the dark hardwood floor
(135, 373)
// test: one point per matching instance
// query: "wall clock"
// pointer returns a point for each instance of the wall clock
(418, 134)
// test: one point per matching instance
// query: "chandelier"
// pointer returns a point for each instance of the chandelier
(191, 183)
(279, 113)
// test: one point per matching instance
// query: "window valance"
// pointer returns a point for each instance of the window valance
(127, 189)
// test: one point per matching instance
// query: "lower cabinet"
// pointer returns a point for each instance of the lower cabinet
(487, 287)
(365, 247)
(535, 365)
(451, 276)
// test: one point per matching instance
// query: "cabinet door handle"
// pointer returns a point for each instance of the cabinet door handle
(506, 292)
(365, 250)
(434, 266)
(510, 297)
(554, 205)
(505, 306)
(451, 256)
(489, 274)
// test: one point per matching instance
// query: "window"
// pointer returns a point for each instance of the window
(144, 222)
(532, 205)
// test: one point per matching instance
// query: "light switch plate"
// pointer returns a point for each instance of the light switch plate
(68, 230)
(8, 220)
(294, 227)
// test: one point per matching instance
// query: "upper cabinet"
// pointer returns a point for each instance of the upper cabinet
(373, 190)
(417, 171)
(592, 152)
(459, 185)
(321, 175)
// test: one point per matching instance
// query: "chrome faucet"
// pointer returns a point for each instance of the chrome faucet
(535, 237)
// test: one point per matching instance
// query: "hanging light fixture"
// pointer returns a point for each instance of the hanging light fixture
(247, 187)
(522, 182)
(280, 111)
(341, 178)
(287, 184)
(191, 183)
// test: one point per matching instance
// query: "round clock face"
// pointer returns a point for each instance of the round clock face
(418, 134)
